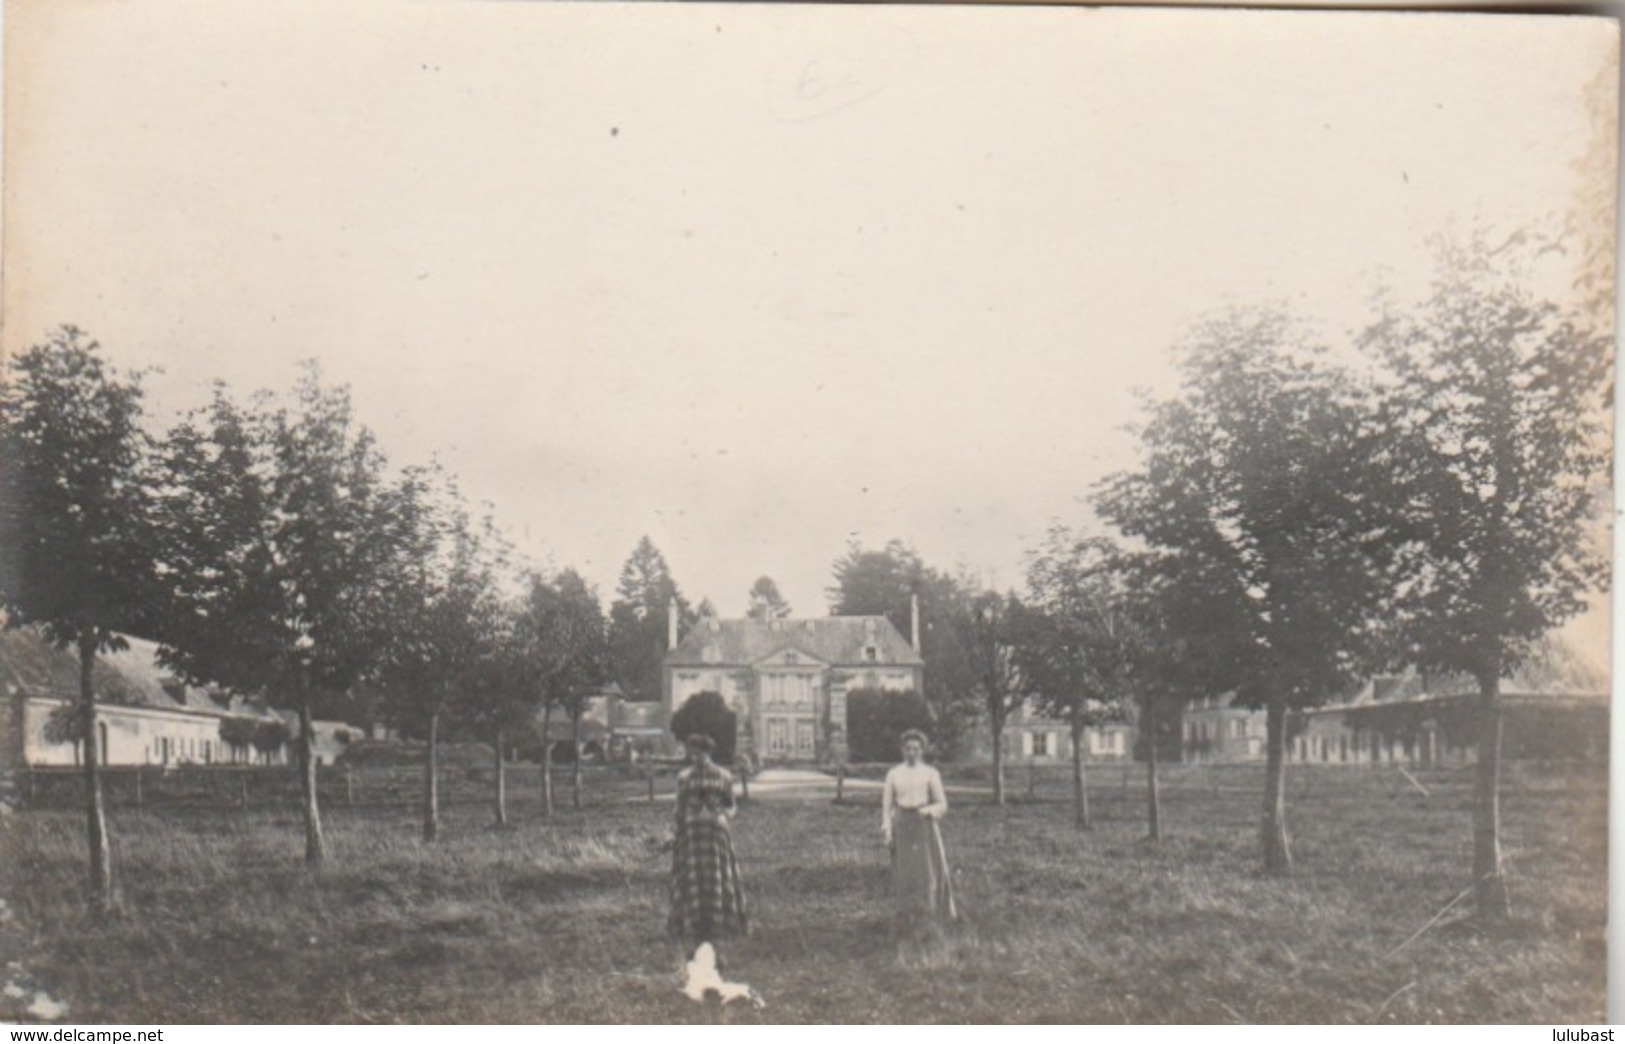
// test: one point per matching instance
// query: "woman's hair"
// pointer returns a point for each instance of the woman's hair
(700, 741)
(913, 734)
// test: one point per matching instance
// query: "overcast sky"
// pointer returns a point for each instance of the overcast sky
(753, 280)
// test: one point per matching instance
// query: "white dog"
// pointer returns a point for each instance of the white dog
(703, 980)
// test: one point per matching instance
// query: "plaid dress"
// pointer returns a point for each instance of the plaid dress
(707, 898)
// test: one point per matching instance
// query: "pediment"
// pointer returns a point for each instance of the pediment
(789, 657)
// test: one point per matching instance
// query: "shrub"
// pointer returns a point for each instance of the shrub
(876, 717)
(709, 714)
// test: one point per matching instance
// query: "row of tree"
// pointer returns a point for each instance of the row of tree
(270, 550)
(1303, 516)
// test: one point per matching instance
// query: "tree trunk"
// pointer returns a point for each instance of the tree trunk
(575, 762)
(1277, 852)
(998, 760)
(315, 850)
(547, 762)
(431, 782)
(1080, 791)
(1489, 884)
(502, 784)
(1153, 792)
(101, 860)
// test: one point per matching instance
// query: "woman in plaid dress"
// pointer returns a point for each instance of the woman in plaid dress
(707, 898)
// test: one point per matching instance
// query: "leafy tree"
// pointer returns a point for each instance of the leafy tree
(991, 629)
(447, 620)
(279, 534)
(708, 714)
(502, 698)
(1500, 396)
(885, 583)
(1078, 644)
(638, 621)
(75, 547)
(1261, 499)
(877, 717)
(765, 601)
(564, 648)
(589, 666)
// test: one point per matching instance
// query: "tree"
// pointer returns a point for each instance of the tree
(638, 621)
(1261, 499)
(565, 658)
(502, 699)
(765, 601)
(75, 548)
(588, 666)
(991, 629)
(886, 583)
(1501, 398)
(708, 714)
(279, 534)
(1079, 645)
(446, 616)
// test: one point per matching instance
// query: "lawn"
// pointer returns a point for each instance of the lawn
(561, 920)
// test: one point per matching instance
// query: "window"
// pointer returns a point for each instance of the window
(870, 654)
(1040, 744)
(1238, 729)
(778, 735)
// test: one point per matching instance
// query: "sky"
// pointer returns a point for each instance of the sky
(755, 281)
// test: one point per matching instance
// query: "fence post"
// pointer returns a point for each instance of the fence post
(349, 787)
(242, 788)
(1032, 780)
(840, 782)
(138, 786)
(649, 774)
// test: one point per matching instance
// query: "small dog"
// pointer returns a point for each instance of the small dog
(704, 980)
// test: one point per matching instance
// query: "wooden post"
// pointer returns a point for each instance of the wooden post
(349, 787)
(1032, 780)
(649, 773)
(138, 786)
(840, 782)
(242, 788)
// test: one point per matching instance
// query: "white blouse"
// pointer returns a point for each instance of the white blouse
(917, 787)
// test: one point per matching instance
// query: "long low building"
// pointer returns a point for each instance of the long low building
(144, 715)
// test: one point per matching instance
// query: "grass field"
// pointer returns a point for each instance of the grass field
(561, 920)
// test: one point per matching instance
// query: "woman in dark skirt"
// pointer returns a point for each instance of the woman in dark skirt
(707, 898)
(911, 804)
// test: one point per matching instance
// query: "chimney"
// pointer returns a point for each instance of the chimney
(671, 625)
(914, 620)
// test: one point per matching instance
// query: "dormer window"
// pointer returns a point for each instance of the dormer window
(871, 654)
(791, 658)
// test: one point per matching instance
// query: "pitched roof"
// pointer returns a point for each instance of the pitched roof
(835, 640)
(131, 677)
